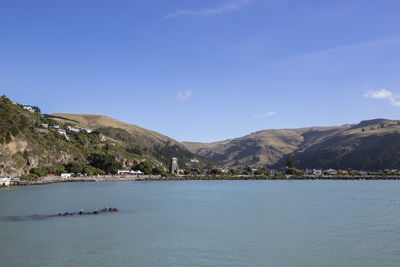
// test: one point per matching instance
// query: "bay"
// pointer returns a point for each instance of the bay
(204, 223)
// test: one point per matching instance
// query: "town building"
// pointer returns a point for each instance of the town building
(317, 172)
(5, 181)
(174, 168)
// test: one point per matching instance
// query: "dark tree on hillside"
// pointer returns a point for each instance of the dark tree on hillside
(105, 162)
(289, 162)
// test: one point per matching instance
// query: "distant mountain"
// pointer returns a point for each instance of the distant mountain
(371, 144)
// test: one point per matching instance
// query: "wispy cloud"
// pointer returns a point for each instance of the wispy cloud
(351, 7)
(265, 115)
(395, 40)
(232, 6)
(393, 99)
(183, 96)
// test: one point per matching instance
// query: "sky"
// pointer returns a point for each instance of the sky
(205, 70)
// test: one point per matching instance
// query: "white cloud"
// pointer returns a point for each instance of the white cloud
(232, 6)
(379, 94)
(265, 115)
(183, 96)
(394, 100)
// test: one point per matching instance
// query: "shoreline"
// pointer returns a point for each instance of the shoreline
(125, 178)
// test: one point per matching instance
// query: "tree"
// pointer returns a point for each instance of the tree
(232, 172)
(105, 162)
(8, 138)
(146, 167)
(248, 170)
(216, 172)
(289, 162)
(77, 166)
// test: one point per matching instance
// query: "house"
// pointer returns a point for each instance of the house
(87, 130)
(225, 170)
(102, 139)
(32, 109)
(194, 161)
(73, 129)
(122, 172)
(5, 181)
(63, 133)
(29, 108)
(317, 172)
(66, 175)
(55, 127)
(45, 125)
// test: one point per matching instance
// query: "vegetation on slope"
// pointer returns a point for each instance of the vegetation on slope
(30, 147)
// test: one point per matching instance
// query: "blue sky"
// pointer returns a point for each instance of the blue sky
(205, 70)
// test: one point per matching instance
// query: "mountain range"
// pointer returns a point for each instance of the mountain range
(25, 144)
(371, 144)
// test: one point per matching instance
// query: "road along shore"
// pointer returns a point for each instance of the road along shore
(119, 178)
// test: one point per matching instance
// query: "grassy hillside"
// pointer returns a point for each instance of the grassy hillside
(137, 140)
(29, 144)
(261, 148)
(371, 145)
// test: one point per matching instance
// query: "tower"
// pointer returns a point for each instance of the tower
(174, 169)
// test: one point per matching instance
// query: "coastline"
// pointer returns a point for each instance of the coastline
(124, 178)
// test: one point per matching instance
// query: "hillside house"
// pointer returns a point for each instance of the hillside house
(66, 175)
(29, 108)
(63, 133)
(73, 129)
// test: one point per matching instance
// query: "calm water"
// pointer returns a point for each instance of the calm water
(207, 223)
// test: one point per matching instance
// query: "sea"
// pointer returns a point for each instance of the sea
(202, 223)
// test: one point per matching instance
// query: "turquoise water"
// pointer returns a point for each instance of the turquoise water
(204, 223)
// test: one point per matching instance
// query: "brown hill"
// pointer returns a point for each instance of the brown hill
(347, 146)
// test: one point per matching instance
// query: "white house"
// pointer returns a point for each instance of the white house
(63, 133)
(29, 108)
(66, 175)
(5, 181)
(45, 125)
(73, 129)
(317, 172)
